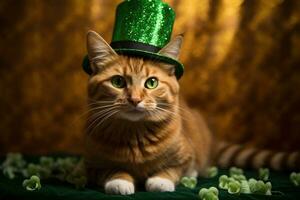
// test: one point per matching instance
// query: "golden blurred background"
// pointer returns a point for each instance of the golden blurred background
(242, 60)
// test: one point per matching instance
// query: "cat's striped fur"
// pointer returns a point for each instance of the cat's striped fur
(250, 157)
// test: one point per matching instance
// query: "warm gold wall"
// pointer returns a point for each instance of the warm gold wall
(242, 62)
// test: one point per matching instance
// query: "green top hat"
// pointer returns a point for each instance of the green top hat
(142, 28)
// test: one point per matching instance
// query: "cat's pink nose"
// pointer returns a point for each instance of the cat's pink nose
(134, 100)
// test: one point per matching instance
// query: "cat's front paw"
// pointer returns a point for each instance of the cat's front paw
(119, 186)
(158, 184)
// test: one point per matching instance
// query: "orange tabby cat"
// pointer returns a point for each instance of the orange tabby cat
(140, 130)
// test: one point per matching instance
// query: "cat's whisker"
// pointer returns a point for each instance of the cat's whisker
(99, 115)
(90, 99)
(94, 100)
(96, 114)
(105, 117)
(157, 105)
(167, 111)
(101, 102)
(86, 111)
(179, 114)
(150, 104)
(93, 120)
(157, 115)
(105, 106)
(169, 105)
(92, 109)
(176, 106)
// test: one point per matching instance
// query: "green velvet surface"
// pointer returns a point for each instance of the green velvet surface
(53, 189)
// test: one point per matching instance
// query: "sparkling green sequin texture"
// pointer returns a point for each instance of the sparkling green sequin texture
(152, 24)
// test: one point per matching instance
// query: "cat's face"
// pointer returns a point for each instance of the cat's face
(130, 88)
(139, 89)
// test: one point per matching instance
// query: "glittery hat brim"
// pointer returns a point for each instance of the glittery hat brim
(179, 68)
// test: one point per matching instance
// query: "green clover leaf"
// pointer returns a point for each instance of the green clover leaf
(235, 171)
(263, 174)
(9, 172)
(32, 184)
(223, 182)
(64, 166)
(234, 187)
(295, 178)
(14, 159)
(189, 182)
(212, 172)
(268, 186)
(202, 192)
(238, 178)
(245, 189)
(263, 188)
(214, 190)
(259, 187)
(47, 162)
(13, 164)
(209, 194)
(32, 169)
(252, 184)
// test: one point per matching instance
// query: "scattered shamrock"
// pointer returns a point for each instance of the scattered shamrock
(9, 172)
(237, 183)
(259, 187)
(63, 167)
(209, 194)
(14, 159)
(13, 164)
(234, 187)
(38, 170)
(238, 178)
(245, 188)
(252, 184)
(32, 184)
(235, 171)
(78, 177)
(263, 174)
(212, 172)
(295, 178)
(47, 167)
(32, 169)
(223, 182)
(189, 182)
(47, 162)
(71, 170)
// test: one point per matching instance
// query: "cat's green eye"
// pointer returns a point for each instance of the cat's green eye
(151, 83)
(118, 81)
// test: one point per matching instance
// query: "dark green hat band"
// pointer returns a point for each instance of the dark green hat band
(134, 45)
(179, 69)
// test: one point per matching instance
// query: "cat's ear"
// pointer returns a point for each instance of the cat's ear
(99, 52)
(172, 49)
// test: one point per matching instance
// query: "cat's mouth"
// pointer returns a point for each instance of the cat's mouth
(136, 111)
